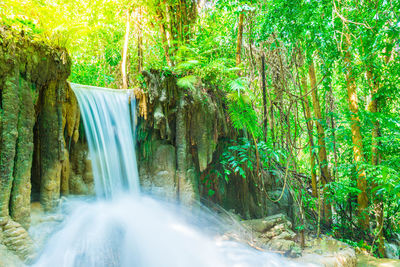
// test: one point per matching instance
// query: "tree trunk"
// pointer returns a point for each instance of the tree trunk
(323, 159)
(265, 118)
(310, 126)
(140, 42)
(239, 39)
(362, 198)
(125, 51)
(333, 128)
(375, 155)
(373, 107)
(272, 121)
(165, 42)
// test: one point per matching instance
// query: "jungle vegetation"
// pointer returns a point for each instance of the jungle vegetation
(311, 84)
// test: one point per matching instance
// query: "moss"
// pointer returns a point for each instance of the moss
(21, 190)
(32, 79)
(49, 149)
(10, 103)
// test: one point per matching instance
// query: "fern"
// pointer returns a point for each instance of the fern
(187, 66)
(243, 116)
(239, 85)
(187, 82)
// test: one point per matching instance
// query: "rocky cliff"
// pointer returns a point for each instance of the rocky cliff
(39, 133)
(181, 136)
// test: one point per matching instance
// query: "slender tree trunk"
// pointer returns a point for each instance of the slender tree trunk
(239, 39)
(322, 155)
(265, 118)
(140, 42)
(273, 138)
(169, 27)
(333, 128)
(375, 156)
(373, 107)
(165, 43)
(362, 198)
(185, 17)
(310, 126)
(125, 51)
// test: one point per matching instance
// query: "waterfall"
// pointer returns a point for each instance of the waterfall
(123, 228)
(108, 116)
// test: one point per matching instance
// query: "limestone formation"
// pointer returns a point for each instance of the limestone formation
(194, 125)
(275, 233)
(328, 252)
(39, 127)
(17, 240)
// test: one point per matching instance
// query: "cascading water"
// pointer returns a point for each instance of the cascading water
(107, 115)
(125, 228)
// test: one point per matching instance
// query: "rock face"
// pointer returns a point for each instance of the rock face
(181, 134)
(178, 131)
(17, 239)
(9, 259)
(392, 250)
(274, 233)
(39, 130)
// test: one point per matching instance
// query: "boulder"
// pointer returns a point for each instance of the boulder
(392, 250)
(265, 224)
(328, 252)
(17, 240)
(9, 259)
(274, 233)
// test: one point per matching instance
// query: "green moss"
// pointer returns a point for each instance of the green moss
(21, 190)
(10, 104)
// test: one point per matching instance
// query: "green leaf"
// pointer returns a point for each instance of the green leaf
(187, 82)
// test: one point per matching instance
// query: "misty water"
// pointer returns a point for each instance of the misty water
(124, 227)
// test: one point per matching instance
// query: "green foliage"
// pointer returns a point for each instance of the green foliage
(187, 82)
(239, 158)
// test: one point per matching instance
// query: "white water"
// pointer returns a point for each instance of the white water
(107, 115)
(125, 228)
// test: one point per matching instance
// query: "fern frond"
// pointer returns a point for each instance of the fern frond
(239, 85)
(187, 65)
(242, 114)
(187, 82)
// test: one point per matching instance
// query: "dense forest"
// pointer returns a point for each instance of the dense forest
(311, 89)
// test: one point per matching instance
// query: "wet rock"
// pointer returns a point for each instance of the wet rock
(158, 175)
(392, 250)
(289, 247)
(275, 233)
(18, 241)
(264, 224)
(9, 259)
(80, 178)
(328, 252)
(43, 224)
(190, 122)
(284, 205)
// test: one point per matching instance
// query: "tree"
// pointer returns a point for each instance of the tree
(357, 139)
(323, 159)
(125, 50)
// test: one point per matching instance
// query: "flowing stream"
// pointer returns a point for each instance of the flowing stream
(123, 227)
